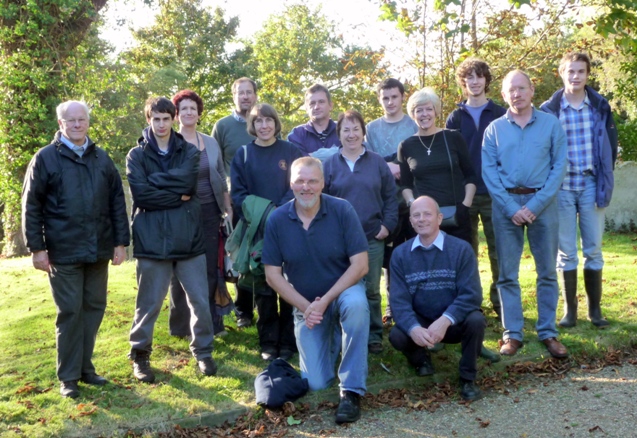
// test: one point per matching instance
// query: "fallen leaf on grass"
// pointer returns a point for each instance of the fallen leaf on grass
(27, 389)
(86, 409)
(593, 429)
(516, 400)
(42, 420)
(584, 388)
(292, 421)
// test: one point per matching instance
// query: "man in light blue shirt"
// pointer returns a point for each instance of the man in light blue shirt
(523, 166)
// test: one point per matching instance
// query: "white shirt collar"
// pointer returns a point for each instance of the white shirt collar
(438, 242)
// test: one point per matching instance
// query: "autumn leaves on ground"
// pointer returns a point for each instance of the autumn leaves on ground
(30, 403)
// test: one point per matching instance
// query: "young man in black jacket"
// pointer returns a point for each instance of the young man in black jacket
(74, 221)
(162, 173)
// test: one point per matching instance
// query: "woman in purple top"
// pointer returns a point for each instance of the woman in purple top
(435, 162)
(212, 191)
(262, 168)
(362, 177)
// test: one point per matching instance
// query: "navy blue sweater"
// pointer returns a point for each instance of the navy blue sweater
(265, 172)
(431, 282)
(370, 188)
(461, 120)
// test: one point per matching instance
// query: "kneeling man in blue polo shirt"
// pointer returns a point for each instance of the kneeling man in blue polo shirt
(436, 296)
(318, 242)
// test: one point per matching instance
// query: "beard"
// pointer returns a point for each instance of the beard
(308, 204)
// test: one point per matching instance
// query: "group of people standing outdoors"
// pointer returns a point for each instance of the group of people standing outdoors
(350, 199)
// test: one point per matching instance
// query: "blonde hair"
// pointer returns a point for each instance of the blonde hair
(423, 97)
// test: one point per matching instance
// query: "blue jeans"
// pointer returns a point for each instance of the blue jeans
(509, 240)
(345, 327)
(578, 207)
(375, 254)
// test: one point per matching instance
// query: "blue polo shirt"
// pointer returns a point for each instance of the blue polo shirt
(314, 259)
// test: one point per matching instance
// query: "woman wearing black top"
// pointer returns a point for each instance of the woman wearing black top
(425, 165)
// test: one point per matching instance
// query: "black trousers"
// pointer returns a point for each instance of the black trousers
(469, 333)
(79, 293)
(276, 322)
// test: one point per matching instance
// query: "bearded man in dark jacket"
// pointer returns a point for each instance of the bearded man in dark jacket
(167, 236)
(74, 221)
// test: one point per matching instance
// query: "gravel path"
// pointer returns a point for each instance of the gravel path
(583, 404)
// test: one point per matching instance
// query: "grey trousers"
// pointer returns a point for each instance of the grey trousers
(79, 293)
(153, 278)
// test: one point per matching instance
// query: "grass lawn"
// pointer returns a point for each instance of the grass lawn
(30, 403)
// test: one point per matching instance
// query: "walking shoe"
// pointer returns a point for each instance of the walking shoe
(207, 366)
(69, 389)
(556, 348)
(269, 354)
(141, 368)
(469, 391)
(93, 379)
(510, 347)
(243, 321)
(349, 408)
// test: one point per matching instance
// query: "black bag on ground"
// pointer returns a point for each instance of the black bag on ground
(279, 383)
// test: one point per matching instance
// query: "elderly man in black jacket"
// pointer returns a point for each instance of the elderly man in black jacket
(167, 236)
(74, 221)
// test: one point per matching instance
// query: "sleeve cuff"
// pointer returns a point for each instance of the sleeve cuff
(450, 318)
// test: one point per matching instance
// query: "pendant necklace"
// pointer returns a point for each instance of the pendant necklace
(430, 144)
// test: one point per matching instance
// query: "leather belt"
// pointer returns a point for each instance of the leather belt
(522, 190)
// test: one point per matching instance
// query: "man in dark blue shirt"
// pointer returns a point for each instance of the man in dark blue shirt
(318, 242)
(471, 118)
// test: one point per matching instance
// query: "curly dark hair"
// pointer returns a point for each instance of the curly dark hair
(470, 65)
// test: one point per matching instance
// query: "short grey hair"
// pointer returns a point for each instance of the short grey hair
(423, 97)
(61, 108)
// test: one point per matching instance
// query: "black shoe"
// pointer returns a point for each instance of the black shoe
(207, 366)
(141, 368)
(349, 408)
(69, 389)
(94, 379)
(243, 321)
(286, 354)
(469, 391)
(269, 354)
(375, 348)
(426, 369)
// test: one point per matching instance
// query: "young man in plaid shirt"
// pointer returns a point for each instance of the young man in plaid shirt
(588, 186)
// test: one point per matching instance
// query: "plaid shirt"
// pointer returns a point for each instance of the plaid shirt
(578, 126)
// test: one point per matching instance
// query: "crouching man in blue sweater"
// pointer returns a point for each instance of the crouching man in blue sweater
(436, 296)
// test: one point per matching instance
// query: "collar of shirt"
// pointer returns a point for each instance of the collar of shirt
(564, 103)
(511, 120)
(70, 144)
(238, 117)
(349, 162)
(438, 242)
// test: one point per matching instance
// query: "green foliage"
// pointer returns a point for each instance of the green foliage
(35, 41)
(186, 48)
(299, 48)
(627, 133)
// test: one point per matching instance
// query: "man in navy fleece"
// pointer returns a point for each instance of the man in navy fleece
(436, 296)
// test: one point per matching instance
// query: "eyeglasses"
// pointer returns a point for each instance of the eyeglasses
(310, 183)
(75, 121)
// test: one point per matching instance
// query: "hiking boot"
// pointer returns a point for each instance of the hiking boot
(141, 368)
